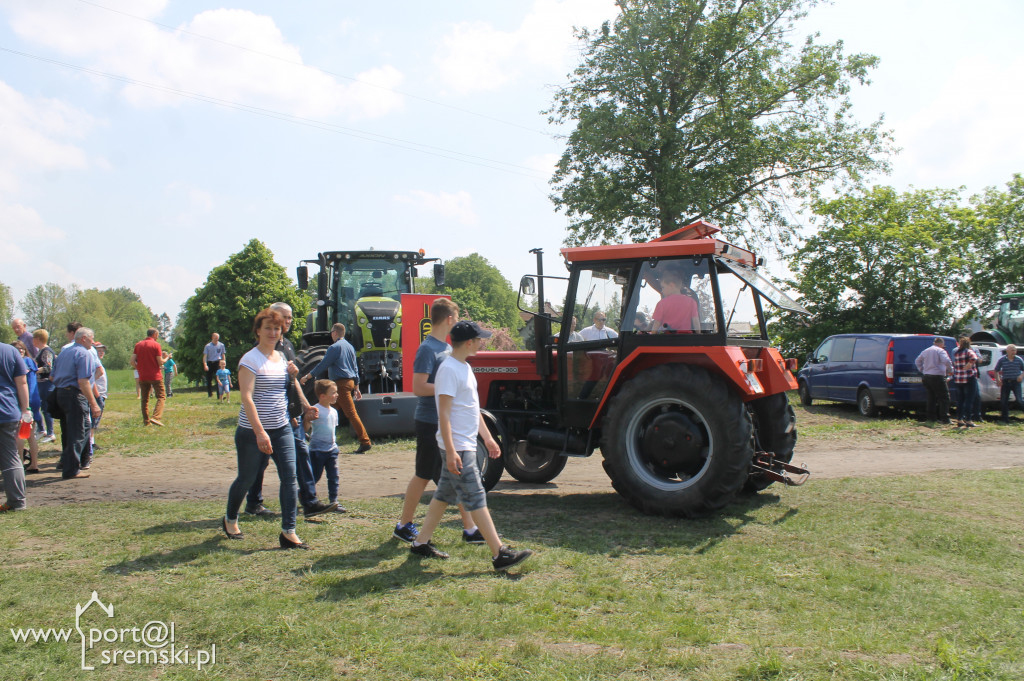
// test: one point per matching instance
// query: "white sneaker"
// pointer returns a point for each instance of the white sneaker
(49, 438)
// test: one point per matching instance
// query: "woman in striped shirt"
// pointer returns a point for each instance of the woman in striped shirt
(263, 426)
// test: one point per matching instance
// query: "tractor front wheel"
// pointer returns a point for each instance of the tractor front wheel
(677, 442)
(530, 463)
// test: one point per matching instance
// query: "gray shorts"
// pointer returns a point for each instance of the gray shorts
(466, 489)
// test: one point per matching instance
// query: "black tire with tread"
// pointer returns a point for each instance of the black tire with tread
(539, 466)
(805, 394)
(775, 424)
(694, 396)
(866, 403)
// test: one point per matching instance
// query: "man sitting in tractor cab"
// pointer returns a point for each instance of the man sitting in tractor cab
(676, 311)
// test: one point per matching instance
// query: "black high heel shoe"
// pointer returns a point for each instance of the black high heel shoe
(287, 543)
(231, 535)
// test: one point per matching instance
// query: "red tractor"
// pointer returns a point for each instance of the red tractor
(675, 381)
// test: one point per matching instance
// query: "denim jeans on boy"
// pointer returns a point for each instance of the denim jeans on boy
(326, 461)
(966, 399)
(1004, 397)
(250, 459)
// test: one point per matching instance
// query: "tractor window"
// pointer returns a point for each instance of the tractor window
(673, 296)
(598, 305)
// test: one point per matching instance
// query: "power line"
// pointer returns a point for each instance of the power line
(317, 68)
(408, 145)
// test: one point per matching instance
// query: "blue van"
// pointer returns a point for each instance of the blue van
(871, 370)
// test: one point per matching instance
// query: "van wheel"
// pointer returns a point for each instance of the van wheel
(805, 394)
(775, 427)
(866, 403)
(677, 441)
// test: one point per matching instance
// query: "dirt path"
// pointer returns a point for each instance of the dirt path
(186, 474)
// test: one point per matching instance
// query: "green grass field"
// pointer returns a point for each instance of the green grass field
(915, 577)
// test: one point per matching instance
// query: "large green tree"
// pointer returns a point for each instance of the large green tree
(885, 261)
(227, 303)
(686, 109)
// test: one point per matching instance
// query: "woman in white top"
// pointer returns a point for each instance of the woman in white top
(264, 427)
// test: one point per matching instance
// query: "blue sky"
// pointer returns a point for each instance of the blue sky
(144, 141)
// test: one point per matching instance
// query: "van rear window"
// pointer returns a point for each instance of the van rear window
(842, 350)
(870, 350)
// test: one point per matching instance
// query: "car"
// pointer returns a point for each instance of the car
(871, 370)
(988, 355)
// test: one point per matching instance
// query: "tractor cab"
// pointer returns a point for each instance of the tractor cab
(362, 290)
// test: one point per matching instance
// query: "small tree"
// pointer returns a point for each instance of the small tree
(227, 303)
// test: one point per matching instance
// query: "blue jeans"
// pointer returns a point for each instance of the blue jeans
(967, 399)
(250, 459)
(303, 472)
(75, 428)
(326, 461)
(44, 392)
(1004, 397)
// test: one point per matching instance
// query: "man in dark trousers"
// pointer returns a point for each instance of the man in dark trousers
(935, 365)
(213, 353)
(339, 365)
(72, 377)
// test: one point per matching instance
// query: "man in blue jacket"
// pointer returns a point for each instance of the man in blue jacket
(339, 365)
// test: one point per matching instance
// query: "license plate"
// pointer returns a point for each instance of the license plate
(910, 379)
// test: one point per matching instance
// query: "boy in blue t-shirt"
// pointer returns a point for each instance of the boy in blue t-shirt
(323, 448)
(170, 371)
(224, 381)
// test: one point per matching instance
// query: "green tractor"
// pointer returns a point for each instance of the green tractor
(362, 290)
(1009, 322)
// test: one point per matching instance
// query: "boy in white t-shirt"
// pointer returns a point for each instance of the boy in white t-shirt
(323, 448)
(459, 422)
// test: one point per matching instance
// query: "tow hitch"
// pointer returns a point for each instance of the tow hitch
(767, 465)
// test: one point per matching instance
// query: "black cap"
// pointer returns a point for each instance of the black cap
(464, 331)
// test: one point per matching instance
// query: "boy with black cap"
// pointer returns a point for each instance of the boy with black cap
(459, 422)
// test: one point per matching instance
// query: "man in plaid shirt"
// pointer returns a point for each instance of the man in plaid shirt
(965, 375)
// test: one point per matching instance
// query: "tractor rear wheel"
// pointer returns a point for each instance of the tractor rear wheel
(530, 463)
(677, 442)
(775, 426)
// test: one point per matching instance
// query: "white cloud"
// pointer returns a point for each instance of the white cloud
(31, 137)
(476, 56)
(267, 72)
(457, 206)
(971, 126)
(19, 223)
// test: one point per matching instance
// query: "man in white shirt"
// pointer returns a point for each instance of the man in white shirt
(598, 331)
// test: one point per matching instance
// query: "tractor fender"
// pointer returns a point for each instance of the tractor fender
(724, 361)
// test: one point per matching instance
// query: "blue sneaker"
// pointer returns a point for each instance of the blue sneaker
(406, 533)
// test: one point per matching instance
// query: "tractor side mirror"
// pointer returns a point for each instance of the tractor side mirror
(302, 274)
(414, 272)
(528, 286)
(438, 274)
